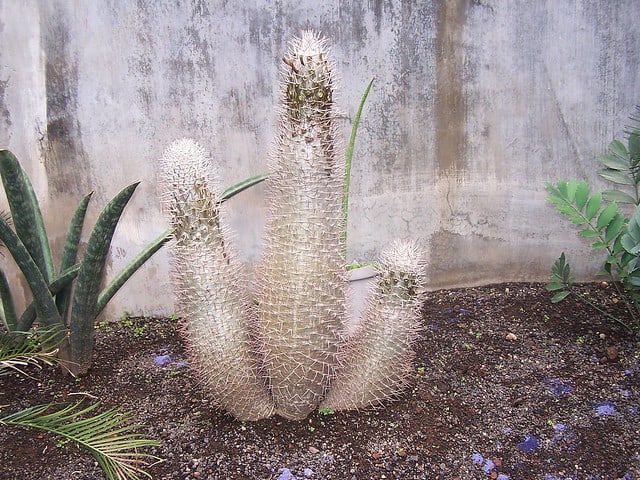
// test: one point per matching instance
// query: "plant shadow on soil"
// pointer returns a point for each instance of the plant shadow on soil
(507, 386)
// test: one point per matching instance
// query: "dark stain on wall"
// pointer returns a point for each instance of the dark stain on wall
(451, 109)
(4, 111)
(64, 158)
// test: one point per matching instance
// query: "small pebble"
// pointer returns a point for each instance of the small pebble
(511, 337)
(313, 449)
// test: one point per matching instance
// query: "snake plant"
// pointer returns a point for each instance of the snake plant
(70, 297)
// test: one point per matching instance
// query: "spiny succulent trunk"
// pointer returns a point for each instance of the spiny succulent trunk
(376, 364)
(301, 275)
(207, 283)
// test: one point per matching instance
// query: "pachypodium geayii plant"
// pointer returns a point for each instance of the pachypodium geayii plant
(610, 227)
(286, 350)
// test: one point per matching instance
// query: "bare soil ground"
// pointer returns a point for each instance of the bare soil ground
(507, 386)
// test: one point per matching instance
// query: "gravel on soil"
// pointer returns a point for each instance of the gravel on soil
(507, 386)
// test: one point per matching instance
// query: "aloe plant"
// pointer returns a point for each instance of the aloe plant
(292, 330)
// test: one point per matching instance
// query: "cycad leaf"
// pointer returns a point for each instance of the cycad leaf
(616, 177)
(572, 187)
(558, 297)
(607, 215)
(618, 196)
(582, 195)
(630, 244)
(553, 286)
(614, 228)
(634, 145)
(108, 436)
(21, 349)
(567, 209)
(614, 162)
(616, 147)
(588, 233)
(593, 205)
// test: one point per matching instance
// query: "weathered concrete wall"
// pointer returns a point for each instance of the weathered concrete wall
(476, 105)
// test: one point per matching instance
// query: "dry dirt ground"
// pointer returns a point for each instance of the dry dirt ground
(507, 386)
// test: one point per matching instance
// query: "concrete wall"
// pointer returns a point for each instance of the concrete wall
(476, 104)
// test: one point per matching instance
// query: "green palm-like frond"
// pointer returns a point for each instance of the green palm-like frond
(22, 349)
(109, 436)
(16, 358)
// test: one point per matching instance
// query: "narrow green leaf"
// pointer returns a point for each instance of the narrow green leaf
(578, 220)
(633, 227)
(558, 297)
(556, 200)
(45, 306)
(593, 205)
(607, 215)
(60, 283)
(634, 145)
(89, 279)
(346, 184)
(108, 436)
(616, 177)
(572, 187)
(553, 190)
(614, 228)
(630, 244)
(582, 195)
(9, 315)
(26, 214)
(588, 233)
(553, 286)
(614, 162)
(240, 186)
(129, 270)
(566, 209)
(599, 245)
(616, 147)
(618, 196)
(70, 253)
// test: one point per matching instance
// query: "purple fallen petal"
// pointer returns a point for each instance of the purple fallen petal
(477, 458)
(488, 466)
(605, 409)
(559, 427)
(529, 444)
(502, 476)
(558, 387)
(162, 359)
(285, 474)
